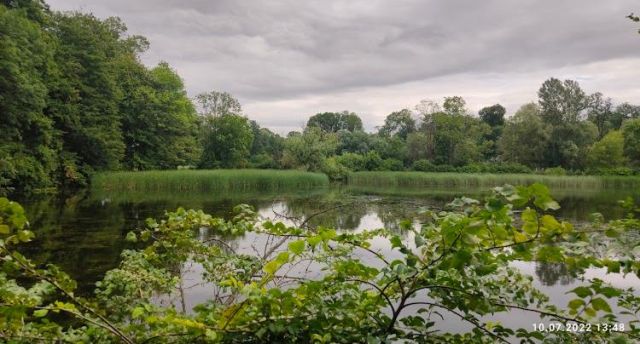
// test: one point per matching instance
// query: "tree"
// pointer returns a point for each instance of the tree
(28, 140)
(493, 116)
(622, 113)
(458, 138)
(525, 137)
(332, 122)
(216, 103)
(561, 101)
(419, 147)
(631, 134)
(227, 141)
(309, 150)
(455, 105)
(267, 147)
(399, 123)
(600, 113)
(159, 124)
(608, 152)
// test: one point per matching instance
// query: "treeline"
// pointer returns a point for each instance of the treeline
(75, 99)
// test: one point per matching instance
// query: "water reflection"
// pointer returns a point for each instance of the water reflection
(84, 234)
(550, 274)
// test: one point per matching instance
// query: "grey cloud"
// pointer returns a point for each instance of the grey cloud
(273, 50)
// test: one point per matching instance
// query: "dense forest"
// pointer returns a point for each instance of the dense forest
(75, 98)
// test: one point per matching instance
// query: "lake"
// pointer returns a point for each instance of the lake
(84, 234)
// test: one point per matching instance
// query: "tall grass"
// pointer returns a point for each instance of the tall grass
(470, 180)
(208, 180)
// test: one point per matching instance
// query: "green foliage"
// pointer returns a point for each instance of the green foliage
(309, 150)
(333, 122)
(458, 264)
(398, 124)
(555, 171)
(525, 137)
(631, 134)
(227, 141)
(608, 152)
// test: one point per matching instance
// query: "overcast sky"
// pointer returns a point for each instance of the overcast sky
(286, 60)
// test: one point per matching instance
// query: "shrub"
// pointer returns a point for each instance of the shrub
(391, 165)
(555, 171)
(423, 165)
(352, 161)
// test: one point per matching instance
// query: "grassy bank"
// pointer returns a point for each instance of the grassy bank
(208, 180)
(462, 180)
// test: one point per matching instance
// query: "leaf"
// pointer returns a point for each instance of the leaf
(396, 242)
(297, 247)
(137, 312)
(4, 229)
(314, 240)
(40, 313)
(582, 292)
(599, 304)
(271, 267)
(576, 303)
(131, 237)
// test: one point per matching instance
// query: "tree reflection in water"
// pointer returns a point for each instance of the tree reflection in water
(550, 274)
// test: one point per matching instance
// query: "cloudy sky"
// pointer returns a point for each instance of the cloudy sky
(286, 60)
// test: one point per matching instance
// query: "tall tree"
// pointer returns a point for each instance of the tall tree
(217, 103)
(493, 116)
(227, 141)
(160, 124)
(525, 137)
(28, 145)
(332, 122)
(399, 123)
(600, 113)
(561, 101)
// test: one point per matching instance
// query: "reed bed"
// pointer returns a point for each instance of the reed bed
(470, 180)
(208, 180)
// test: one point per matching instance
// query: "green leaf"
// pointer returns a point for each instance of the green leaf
(4, 229)
(314, 240)
(131, 237)
(137, 312)
(297, 247)
(396, 242)
(271, 267)
(40, 313)
(582, 292)
(576, 303)
(599, 304)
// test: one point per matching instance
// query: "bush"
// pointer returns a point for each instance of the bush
(334, 170)
(391, 165)
(555, 171)
(352, 161)
(423, 165)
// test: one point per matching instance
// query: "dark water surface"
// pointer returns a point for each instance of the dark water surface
(84, 234)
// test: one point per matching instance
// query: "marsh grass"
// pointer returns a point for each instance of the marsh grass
(470, 180)
(199, 181)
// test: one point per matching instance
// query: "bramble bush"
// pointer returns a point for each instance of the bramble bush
(324, 286)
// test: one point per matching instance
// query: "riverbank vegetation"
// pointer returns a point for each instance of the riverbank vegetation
(208, 180)
(457, 266)
(78, 100)
(461, 180)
